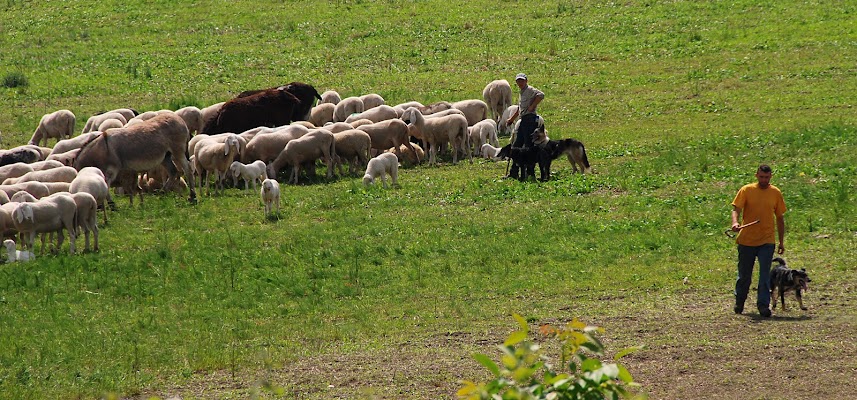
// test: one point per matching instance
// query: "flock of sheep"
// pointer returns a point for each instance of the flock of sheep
(52, 190)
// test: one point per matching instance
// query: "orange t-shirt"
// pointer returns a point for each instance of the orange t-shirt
(759, 204)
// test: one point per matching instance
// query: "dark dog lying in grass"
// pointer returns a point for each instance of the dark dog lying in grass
(784, 279)
(543, 154)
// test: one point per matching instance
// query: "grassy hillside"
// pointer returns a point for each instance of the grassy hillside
(362, 293)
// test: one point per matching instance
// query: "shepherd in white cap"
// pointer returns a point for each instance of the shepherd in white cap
(527, 104)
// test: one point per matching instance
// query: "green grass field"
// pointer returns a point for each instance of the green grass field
(372, 293)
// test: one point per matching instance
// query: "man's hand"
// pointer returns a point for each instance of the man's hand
(736, 227)
(781, 249)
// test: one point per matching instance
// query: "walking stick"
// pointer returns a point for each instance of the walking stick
(731, 234)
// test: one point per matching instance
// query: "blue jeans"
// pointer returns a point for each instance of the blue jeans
(746, 258)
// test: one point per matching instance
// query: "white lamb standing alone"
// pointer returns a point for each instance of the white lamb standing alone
(270, 195)
(17, 255)
(489, 151)
(380, 166)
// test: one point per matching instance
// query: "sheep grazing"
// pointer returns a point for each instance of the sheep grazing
(139, 148)
(13, 255)
(352, 146)
(407, 157)
(436, 131)
(376, 114)
(322, 114)
(474, 110)
(248, 172)
(270, 195)
(19, 155)
(86, 218)
(267, 146)
(214, 157)
(346, 107)
(371, 101)
(484, 131)
(434, 107)
(61, 174)
(56, 125)
(361, 122)
(91, 180)
(74, 143)
(110, 123)
(337, 127)
(316, 144)
(489, 151)
(498, 96)
(209, 114)
(380, 166)
(306, 95)
(387, 134)
(47, 215)
(95, 121)
(66, 158)
(37, 189)
(330, 96)
(14, 170)
(192, 117)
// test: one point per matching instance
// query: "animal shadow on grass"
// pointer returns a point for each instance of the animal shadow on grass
(274, 216)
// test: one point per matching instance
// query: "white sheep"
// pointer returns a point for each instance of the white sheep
(336, 127)
(376, 114)
(192, 117)
(95, 121)
(346, 107)
(91, 180)
(270, 195)
(489, 151)
(14, 170)
(474, 110)
(13, 254)
(60, 174)
(400, 108)
(372, 100)
(498, 96)
(56, 125)
(484, 131)
(50, 214)
(110, 123)
(353, 147)
(248, 172)
(317, 144)
(502, 128)
(380, 166)
(330, 96)
(267, 146)
(74, 143)
(66, 158)
(387, 134)
(210, 113)
(215, 158)
(436, 131)
(322, 114)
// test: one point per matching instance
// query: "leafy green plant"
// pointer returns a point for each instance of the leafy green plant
(526, 373)
(15, 79)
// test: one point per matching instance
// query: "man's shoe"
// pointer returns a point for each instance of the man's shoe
(739, 309)
(765, 313)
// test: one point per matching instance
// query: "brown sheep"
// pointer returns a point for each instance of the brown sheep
(387, 134)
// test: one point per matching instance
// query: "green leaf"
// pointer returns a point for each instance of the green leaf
(593, 347)
(611, 370)
(515, 338)
(521, 322)
(628, 350)
(487, 363)
(590, 364)
(624, 375)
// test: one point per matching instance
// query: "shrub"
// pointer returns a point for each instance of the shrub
(518, 377)
(15, 79)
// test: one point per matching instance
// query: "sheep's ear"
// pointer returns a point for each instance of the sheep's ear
(19, 216)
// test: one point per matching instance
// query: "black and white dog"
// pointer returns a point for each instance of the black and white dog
(784, 279)
(544, 152)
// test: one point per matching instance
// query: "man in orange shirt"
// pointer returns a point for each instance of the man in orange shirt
(761, 203)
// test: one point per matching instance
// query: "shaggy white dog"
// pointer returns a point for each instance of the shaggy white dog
(380, 166)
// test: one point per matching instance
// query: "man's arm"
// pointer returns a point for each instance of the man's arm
(536, 101)
(781, 232)
(512, 118)
(736, 213)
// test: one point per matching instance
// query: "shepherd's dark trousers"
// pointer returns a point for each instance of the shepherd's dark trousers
(524, 139)
(746, 258)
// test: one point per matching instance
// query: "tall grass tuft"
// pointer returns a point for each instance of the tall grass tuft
(15, 79)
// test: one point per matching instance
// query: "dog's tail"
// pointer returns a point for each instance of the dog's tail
(779, 261)
(583, 156)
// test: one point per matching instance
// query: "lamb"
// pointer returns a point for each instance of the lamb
(330, 96)
(498, 96)
(74, 143)
(376, 114)
(37, 189)
(436, 131)
(210, 113)
(337, 127)
(489, 151)
(192, 117)
(474, 110)
(445, 113)
(346, 107)
(13, 254)
(316, 144)
(484, 131)
(322, 114)
(91, 180)
(371, 101)
(61, 174)
(55, 187)
(47, 215)
(248, 172)
(380, 166)
(86, 217)
(56, 125)
(45, 165)
(361, 122)
(352, 146)
(214, 157)
(268, 146)
(95, 121)
(7, 226)
(387, 134)
(270, 195)
(434, 107)
(400, 108)
(218, 138)
(14, 170)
